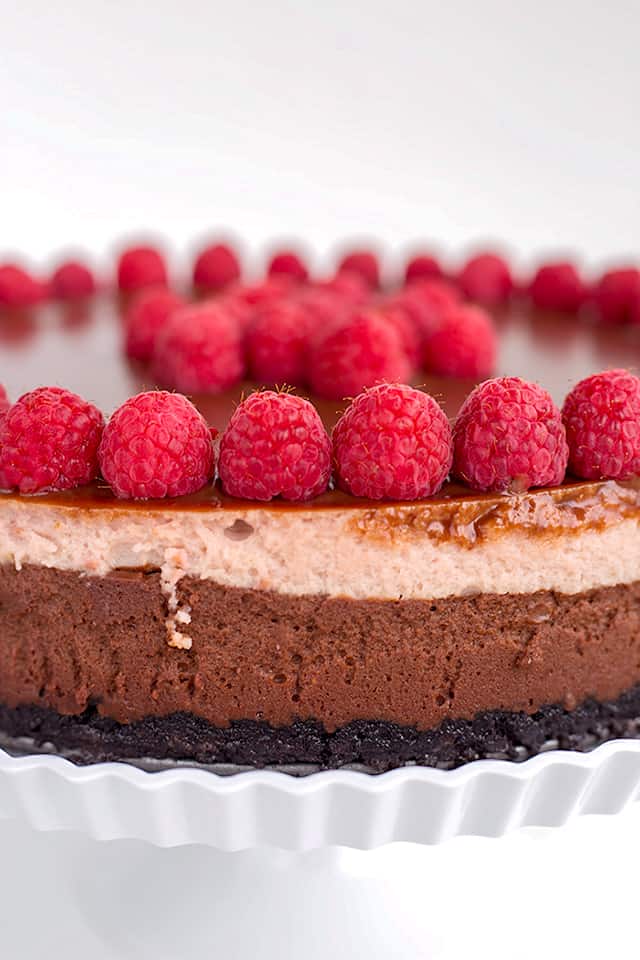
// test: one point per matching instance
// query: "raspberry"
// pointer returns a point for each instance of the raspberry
(216, 267)
(146, 318)
(356, 353)
(486, 279)
(364, 263)
(349, 287)
(275, 445)
(4, 401)
(140, 267)
(410, 335)
(422, 267)
(199, 349)
(277, 344)
(557, 286)
(464, 344)
(324, 308)
(18, 288)
(509, 436)
(289, 264)
(273, 288)
(617, 295)
(425, 303)
(394, 443)
(49, 441)
(156, 445)
(602, 419)
(244, 302)
(72, 281)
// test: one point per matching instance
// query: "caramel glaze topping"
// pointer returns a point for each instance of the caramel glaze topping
(79, 347)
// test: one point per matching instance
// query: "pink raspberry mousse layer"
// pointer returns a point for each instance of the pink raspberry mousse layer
(567, 539)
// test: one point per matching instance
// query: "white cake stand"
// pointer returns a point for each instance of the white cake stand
(262, 856)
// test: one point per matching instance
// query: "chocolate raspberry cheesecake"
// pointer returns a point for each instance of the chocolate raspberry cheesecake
(443, 567)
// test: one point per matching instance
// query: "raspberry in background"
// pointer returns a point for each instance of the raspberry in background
(401, 319)
(72, 280)
(349, 287)
(18, 288)
(244, 302)
(602, 419)
(156, 445)
(393, 442)
(4, 401)
(486, 279)
(273, 288)
(324, 308)
(140, 267)
(617, 296)
(422, 266)
(557, 286)
(355, 353)
(509, 435)
(240, 310)
(215, 268)
(463, 344)
(276, 344)
(289, 264)
(425, 303)
(364, 263)
(275, 444)
(146, 317)
(49, 441)
(199, 350)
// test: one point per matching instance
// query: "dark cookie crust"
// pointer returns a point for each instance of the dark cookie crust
(378, 745)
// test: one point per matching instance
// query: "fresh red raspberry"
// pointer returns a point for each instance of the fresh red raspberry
(364, 263)
(273, 288)
(348, 286)
(422, 267)
(464, 344)
(289, 264)
(49, 441)
(72, 281)
(602, 419)
(18, 288)
(356, 353)
(199, 349)
(486, 279)
(509, 436)
(425, 303)
(277, 344)
(275, 445)
(140, 267)
(156, 445)
(557, 286)
(4, 401)
(216, 267)
(146, 317)
(244, 302)
(324, 308)
(393, 442)
(617, 295)
(410, 335)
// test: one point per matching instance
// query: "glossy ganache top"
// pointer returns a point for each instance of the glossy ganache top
(79, 346)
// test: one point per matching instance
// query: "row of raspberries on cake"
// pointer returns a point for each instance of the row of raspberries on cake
(335, 336)
(485, 278)
(392, 442)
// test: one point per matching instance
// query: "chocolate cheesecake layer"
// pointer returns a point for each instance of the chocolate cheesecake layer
(70, 643)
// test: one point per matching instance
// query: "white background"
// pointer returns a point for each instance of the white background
(449, 122)
(405, 120)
